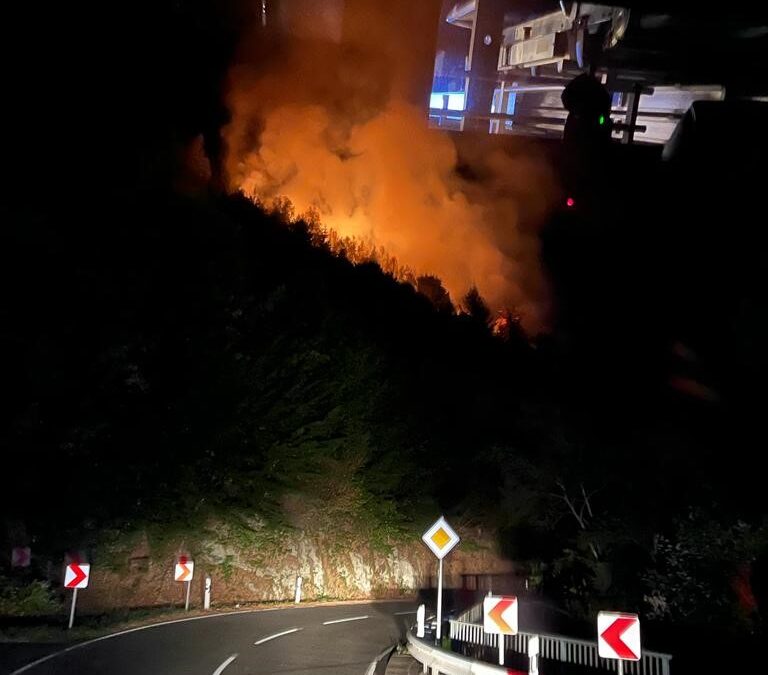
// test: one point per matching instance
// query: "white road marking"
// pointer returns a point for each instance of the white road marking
(351, 618)
(277, 635)
(372, 668)
(29, 666)
(79, 645)
(221, 668)
(404, 613)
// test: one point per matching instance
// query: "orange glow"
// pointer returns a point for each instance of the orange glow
(500, 325)
(323, 128)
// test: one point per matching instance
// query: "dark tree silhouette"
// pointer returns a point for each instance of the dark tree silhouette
(475, 306)
(432, 288)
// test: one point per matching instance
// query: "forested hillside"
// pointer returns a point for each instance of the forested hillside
(231, 360)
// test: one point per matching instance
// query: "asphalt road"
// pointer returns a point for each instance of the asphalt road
(336, 640)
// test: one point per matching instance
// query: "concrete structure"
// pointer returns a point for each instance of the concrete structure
(517, 65)
(560, 37)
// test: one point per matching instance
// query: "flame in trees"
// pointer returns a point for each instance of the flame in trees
(331, 127)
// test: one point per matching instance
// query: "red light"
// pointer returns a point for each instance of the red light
(570, 201)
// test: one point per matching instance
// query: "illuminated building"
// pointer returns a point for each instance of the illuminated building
(517, 58)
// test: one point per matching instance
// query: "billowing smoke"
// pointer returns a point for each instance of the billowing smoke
(334, 125)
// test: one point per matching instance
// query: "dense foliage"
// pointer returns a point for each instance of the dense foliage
(201, 357)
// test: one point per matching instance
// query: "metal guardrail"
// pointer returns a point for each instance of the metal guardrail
(472, 615)
(442, 662)
(555, 647)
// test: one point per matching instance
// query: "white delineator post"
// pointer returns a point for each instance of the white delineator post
(207, 596)
(297, 597)
(501, 650)
(421, 614)
(72, 611)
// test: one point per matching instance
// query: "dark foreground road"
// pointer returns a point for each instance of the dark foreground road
(245, 644)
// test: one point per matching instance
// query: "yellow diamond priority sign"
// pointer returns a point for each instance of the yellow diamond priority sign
(441, 538)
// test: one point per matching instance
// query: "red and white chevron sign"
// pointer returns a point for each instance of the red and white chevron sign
(500, 614)
(618, 636)
(76, 575)
(185, 569)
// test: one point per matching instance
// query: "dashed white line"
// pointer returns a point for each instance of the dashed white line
(276, 635)
(351, 618)
(404, 613)
(221, 668)
(80, 645)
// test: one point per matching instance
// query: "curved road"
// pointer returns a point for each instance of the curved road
(340, 639)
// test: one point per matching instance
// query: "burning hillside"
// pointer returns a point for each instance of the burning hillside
(333, 128)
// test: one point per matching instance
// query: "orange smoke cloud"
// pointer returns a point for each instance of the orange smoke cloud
(325, 127)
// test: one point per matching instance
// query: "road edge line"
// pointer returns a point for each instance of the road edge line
(221, 668)
(374, 664)
(66, 650)
(29, 666)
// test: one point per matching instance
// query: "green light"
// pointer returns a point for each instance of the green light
(601, 120)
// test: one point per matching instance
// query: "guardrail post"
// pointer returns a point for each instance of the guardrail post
(533, 655)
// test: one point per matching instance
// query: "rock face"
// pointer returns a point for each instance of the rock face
(266, 570)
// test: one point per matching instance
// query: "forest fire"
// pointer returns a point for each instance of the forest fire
(338, 136)
(208, 407)
(500, 325)
(355, 248)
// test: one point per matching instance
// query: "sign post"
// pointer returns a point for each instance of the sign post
(618, 637)
(439, 632)
(76, 575)
(441, 539)
(500, 618)
(184, 571)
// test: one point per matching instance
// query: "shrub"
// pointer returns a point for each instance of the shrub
(32, 599)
